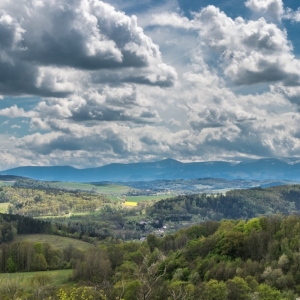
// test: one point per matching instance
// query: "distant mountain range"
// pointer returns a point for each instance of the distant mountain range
(278, 169)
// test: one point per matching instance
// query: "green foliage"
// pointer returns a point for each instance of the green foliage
(39, 262)
(11, 266)
(235, 204)
(11, 288)
(81, 293)
(26, 256)
(238, 289)
(230, 260)
(94, 267)
(215, 290)
(266, 292)
(45, 201)
(180, 290)
(252, 225)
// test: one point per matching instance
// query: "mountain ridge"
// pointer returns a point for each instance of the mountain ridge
(267, 168)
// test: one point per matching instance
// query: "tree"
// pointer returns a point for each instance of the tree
(238, 289)
(11, 266)
(95, 267)
(233, 244)
(149, 273)
(268, 293)
(215, 290)
(39, 262)
(152, 242)
(11, 288)
(180, 290)
(252, 225)
(40, 282)
(81, 293)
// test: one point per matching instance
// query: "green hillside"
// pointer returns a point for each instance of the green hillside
(58, 242)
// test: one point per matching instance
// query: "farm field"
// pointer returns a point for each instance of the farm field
(147, 198)
(3, 207)
(141, 198)
(58, 277)
(58, 242)
(111, 191)
(107, 189)
(130, 204)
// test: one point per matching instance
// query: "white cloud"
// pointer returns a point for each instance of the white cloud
(175, 20)
(247, 52)
(234, 93)
(292, 15)
(15, 126)
(57, 47)
(272, 9)
(16, 112)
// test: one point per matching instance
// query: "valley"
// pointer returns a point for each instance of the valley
(195, 235)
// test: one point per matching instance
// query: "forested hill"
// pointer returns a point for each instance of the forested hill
(279, 169)
(234, 204)
(11, 225)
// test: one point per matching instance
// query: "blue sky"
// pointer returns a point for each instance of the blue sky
(86, 82)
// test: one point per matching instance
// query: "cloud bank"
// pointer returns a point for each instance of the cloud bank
(200, 87)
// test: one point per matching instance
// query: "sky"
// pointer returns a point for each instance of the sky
(87, 83)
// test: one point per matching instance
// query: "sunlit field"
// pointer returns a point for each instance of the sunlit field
(57, 277)
(3, 207)
(58, 242)
(130, 204)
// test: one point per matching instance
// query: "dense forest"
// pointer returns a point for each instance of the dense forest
(226, 260)
(11, 225)
(36, 202)
(246, 203)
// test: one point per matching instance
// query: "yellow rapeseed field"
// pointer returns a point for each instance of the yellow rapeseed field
(128, 203)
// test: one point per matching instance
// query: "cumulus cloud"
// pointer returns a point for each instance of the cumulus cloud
(16, 112)
(248, 52)
(108, 96)
(292, 15)
(173, 19)
(120, 104)
(270, 9)
(56, 47)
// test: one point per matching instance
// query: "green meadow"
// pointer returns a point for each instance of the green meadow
(58, 277)
(147, 198)
(58, 242)
(6, 183)
(3, 208)
(107, 189)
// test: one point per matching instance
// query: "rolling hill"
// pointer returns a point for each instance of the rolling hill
(278, 169)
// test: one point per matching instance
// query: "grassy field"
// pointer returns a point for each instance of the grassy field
(58, 242)
(3, 207)
(107, 189)
(147, 198)
(58, 277)
(112, 191)
(6, 183)
(142, 198)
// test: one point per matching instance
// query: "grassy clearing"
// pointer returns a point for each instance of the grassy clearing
(58, 277)
(6, 183)
(147, 198)
(3, 207)
(141, 198)
(58, 242)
